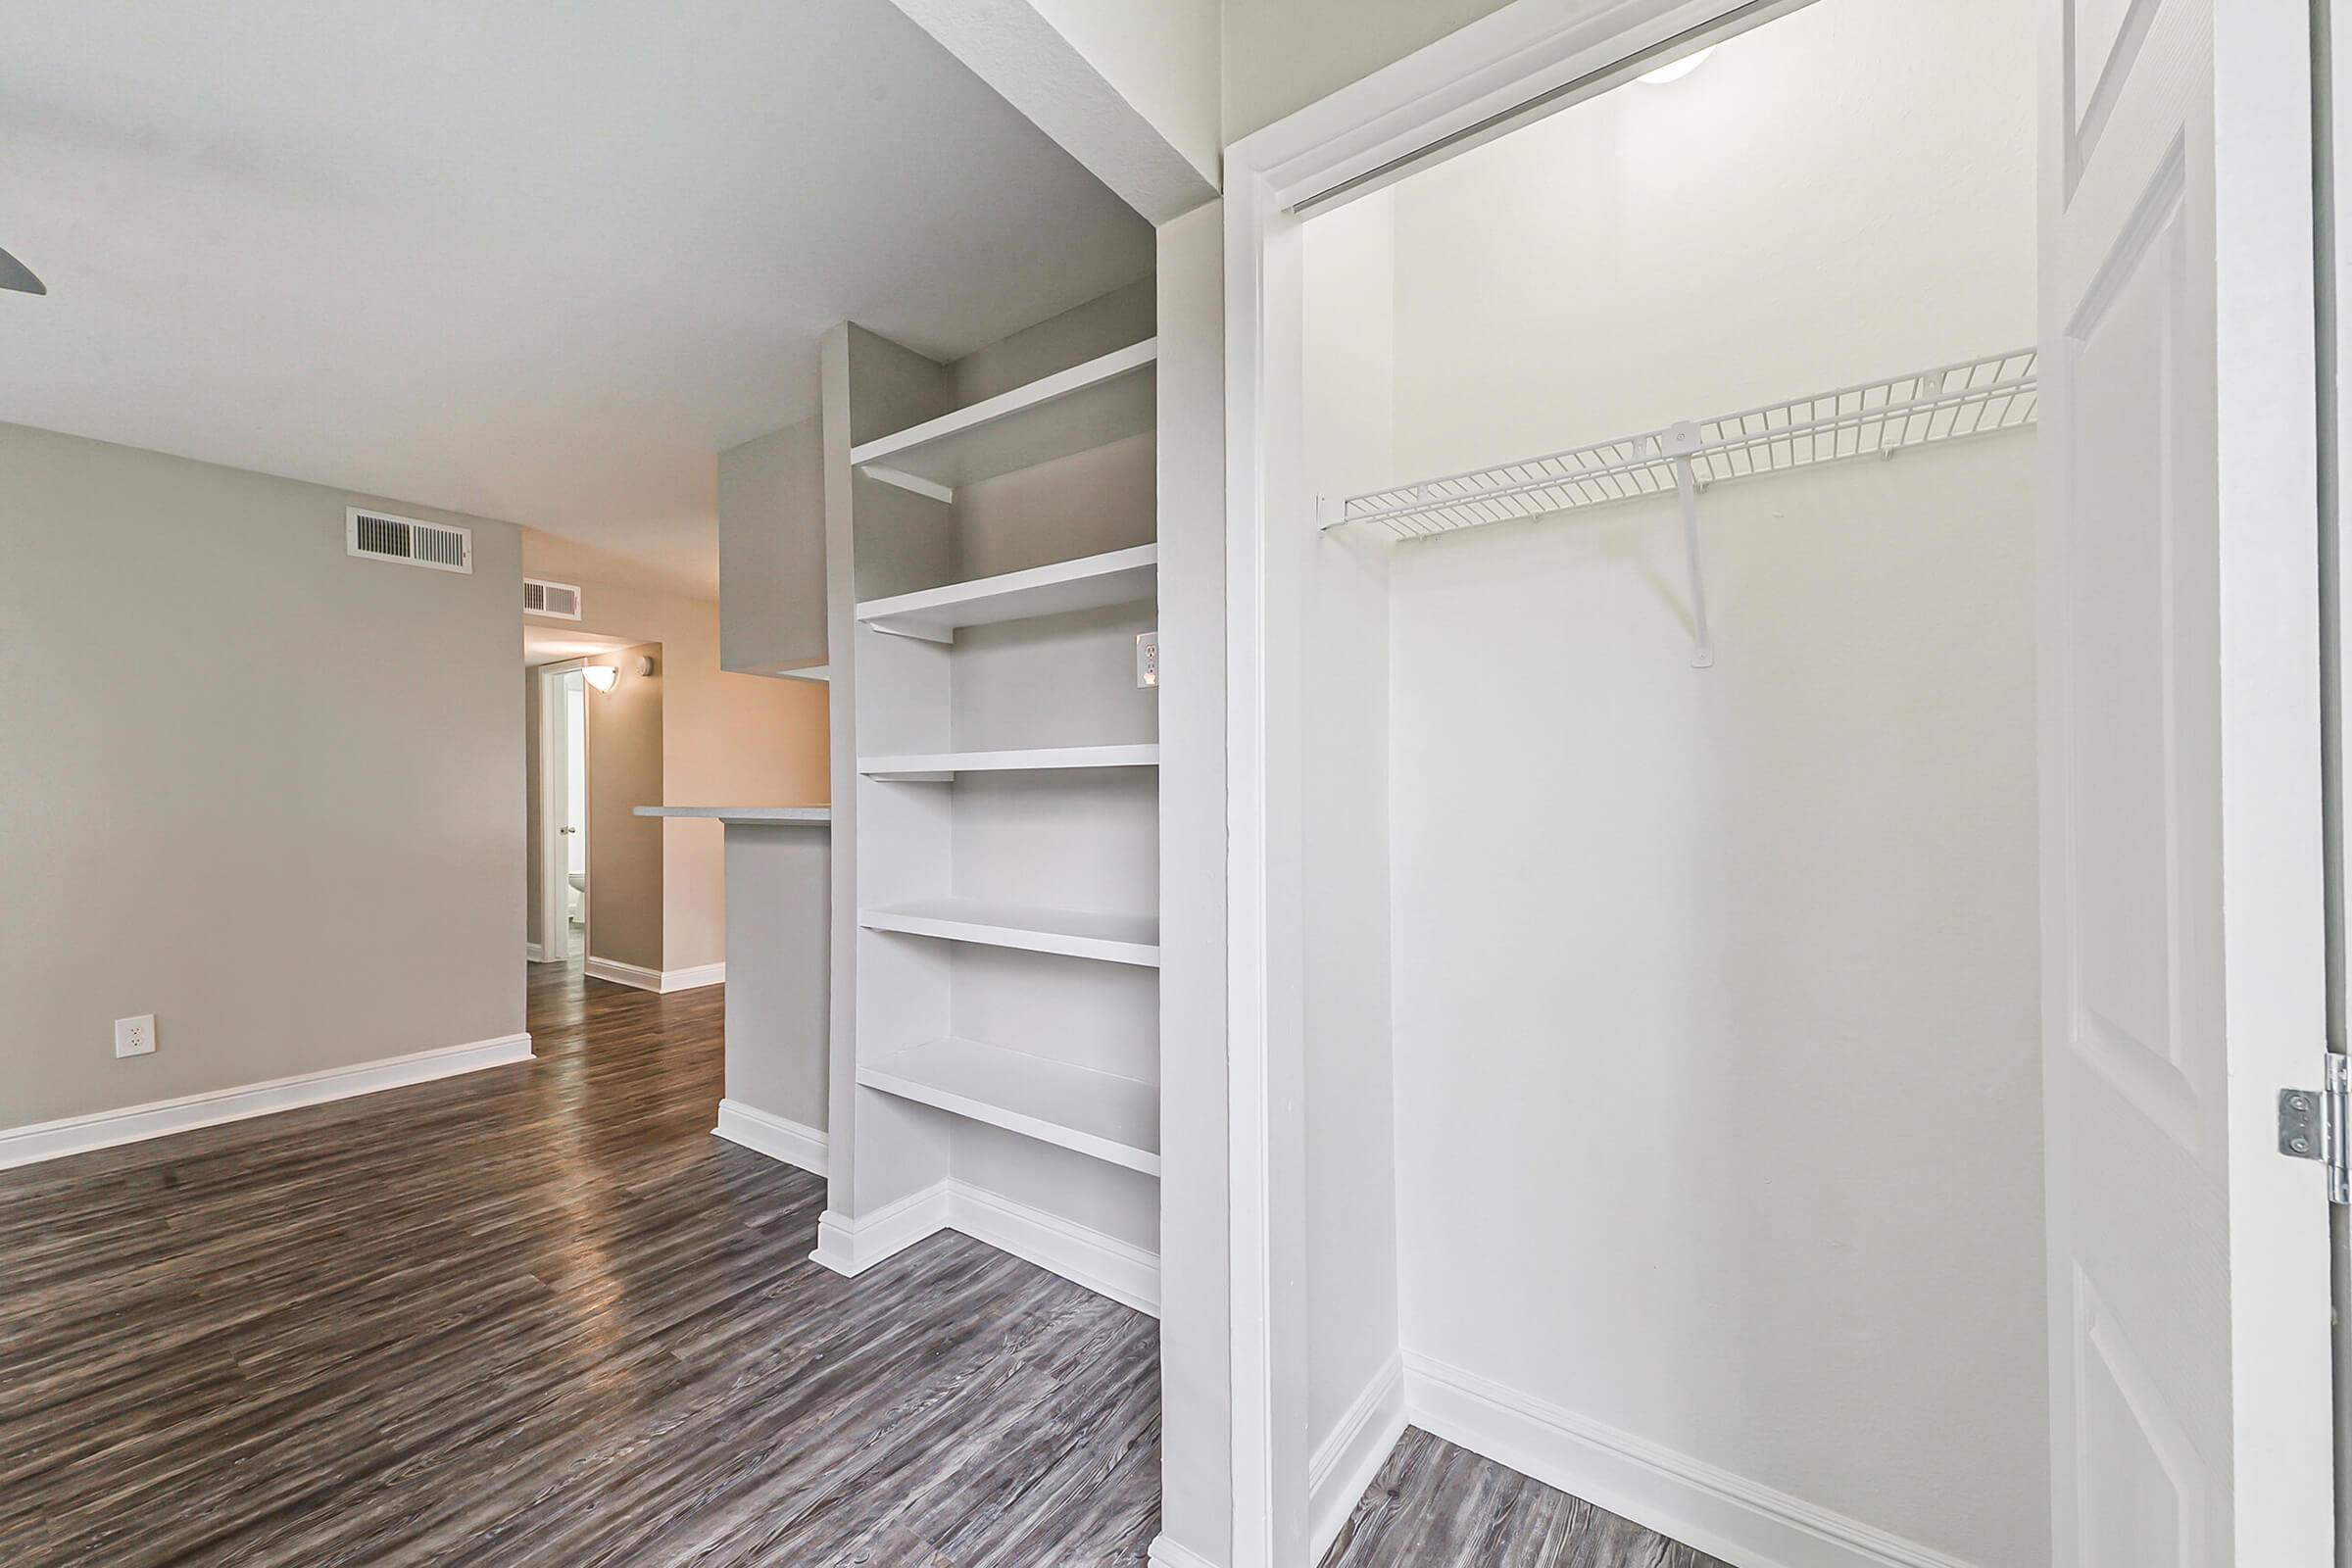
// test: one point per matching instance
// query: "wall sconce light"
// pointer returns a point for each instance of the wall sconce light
(600, 677)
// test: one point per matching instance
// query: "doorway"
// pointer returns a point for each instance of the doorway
(562, 906)
(570, 849)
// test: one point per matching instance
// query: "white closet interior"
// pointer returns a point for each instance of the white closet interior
(1672, 1025)
(992, 523)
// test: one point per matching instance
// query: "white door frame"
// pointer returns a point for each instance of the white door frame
(2332, 84)
(1515, 65)
(555, 884)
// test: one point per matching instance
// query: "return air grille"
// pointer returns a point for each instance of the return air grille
(380, 537)
(558, 601)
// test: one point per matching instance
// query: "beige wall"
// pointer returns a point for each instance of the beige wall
(727, 740)
(248, 783)
(530, 807)
(626, 876)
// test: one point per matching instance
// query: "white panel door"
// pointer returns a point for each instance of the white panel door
(2183, 902)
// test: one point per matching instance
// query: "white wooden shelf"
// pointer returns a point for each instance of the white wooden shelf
(935, 766)
(1111, 937)
(1087, 405)
(1098, 1113)
(1118, 578)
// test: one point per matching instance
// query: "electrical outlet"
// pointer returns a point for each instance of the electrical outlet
(135, 1037)
(1146, 658)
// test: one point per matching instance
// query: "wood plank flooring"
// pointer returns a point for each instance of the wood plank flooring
(539, 1316)
(1434, 1505)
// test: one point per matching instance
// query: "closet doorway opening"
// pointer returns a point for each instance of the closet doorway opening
(1731, 621)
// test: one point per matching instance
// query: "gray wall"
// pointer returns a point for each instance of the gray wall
(268, 792)
(625, 871)
(771, 551)
(779, 966)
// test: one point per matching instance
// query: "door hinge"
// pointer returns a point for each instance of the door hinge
(2312, 1123)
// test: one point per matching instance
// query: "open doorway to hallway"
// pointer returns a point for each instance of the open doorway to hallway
(566, 697)
(563, 677)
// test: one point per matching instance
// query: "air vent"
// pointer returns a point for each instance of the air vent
(558, 601)
(380, 537)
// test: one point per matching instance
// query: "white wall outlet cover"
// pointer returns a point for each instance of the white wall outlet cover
(1147, 659)
(135, 1037)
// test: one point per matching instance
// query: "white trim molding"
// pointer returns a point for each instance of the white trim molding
(1104, 1264)
(1167, 1552)
(106, 1129)
(533, 953)
(785, 1141)
(1353, 1454)
(1697, 1504)
(660, 981)
(851, 1246)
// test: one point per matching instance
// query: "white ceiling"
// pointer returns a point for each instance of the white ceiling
(532, 261)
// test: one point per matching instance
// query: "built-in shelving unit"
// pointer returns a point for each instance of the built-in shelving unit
(935, 765)
(1110, 938)
(1115, 578)
(1091, 404)
(1097, 1113)
(1000, 764)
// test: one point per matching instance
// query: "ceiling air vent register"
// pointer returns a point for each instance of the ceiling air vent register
(558, 601)
(380, 537)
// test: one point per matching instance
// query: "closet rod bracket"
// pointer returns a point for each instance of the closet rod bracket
(1678, 442)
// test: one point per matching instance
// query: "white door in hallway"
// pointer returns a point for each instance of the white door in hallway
(2184, 925)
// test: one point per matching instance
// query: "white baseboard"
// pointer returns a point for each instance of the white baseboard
(851, 1246)
(1104, 1264)
(1697, 1504)
(533, 953)
(622, 974)
(773, 1136)
(662, 981)
(1167, 1554)
(76, 1135)
(1348, 1459)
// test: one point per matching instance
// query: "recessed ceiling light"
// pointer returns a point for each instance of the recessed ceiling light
(1676, 69)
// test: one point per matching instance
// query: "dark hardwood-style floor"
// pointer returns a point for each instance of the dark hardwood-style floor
(539, 1316)
(1434, 1505)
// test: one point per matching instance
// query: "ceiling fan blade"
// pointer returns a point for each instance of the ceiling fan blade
(17, 275)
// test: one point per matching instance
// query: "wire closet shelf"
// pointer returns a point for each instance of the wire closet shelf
(1875, 419)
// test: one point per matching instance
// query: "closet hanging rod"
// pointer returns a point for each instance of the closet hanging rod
(1871, 419)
